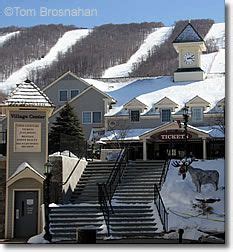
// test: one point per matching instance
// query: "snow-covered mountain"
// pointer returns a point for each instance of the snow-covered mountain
(61, 47)
(211, 62)
(156, 38)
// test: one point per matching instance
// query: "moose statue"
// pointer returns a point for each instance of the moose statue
(199, 177)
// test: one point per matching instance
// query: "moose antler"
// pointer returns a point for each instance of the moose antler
(176, 164)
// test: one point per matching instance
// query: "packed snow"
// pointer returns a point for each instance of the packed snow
(217, 34)
(156, 38)
(180, 196)
(6, 37)
(61, 47)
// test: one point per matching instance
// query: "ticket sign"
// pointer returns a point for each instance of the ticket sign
(27, 137)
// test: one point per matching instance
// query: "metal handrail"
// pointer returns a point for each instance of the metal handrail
(75, 166)
(164, 172)
(102, 194)
(163, 214)
(106, 190)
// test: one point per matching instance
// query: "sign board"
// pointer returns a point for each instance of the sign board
(27, 137)
(173, 135)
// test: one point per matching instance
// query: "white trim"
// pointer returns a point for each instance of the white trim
(13, 209)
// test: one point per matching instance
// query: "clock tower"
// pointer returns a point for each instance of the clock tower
(189, 45)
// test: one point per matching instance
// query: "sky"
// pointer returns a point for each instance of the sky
(90, 13)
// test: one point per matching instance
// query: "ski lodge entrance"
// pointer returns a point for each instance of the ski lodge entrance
(168, 141)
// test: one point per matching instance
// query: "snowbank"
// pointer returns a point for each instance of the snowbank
(179, 196)
(63, 44)
(155, 38)
(38, 239)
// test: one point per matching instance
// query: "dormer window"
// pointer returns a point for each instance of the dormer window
(165, 115)
(197, 114)
(134, 115)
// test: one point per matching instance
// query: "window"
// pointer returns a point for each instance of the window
(165, 115)
(134, 115)
(86, 117)
(63, 95)
(91, 117)
(96, 117)
(74, 93)
(197, 114)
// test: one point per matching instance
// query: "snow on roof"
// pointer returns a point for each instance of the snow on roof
(151, 90)
(135, 134)
(188, 34)
(217, 33)
(214, 131)
(22, 167)
(28, 94)
(130, 134)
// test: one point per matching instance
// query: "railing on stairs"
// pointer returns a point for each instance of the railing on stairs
(163, 214)
(164, 172)
(106, 190)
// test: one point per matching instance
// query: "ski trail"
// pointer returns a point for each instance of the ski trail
(63, 44)
(155, 38)
(8, 36)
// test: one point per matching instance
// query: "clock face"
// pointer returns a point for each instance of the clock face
(189, 58)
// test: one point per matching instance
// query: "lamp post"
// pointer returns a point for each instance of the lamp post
(48, 175)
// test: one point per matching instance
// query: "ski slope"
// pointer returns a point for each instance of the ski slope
(8, 36)
(155, 38)
(217, 33)
(63, 44)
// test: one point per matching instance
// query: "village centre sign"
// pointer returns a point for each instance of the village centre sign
(27, 137)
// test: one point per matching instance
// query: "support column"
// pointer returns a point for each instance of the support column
(144, 150)
(204, 148)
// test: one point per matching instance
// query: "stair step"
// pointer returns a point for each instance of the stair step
(74, 225)
(135, 234)
(133, 229)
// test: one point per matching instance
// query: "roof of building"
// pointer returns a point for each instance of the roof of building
(136, 134)
(188, 34)
(27, 94)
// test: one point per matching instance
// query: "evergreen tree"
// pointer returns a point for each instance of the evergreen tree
(66, 133)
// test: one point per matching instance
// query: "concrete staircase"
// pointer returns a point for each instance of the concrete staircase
(83, 210)
(86, 189)
(134, 211)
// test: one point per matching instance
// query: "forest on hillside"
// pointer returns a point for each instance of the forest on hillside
(106, 46)
(163, 60)
(30, 44)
